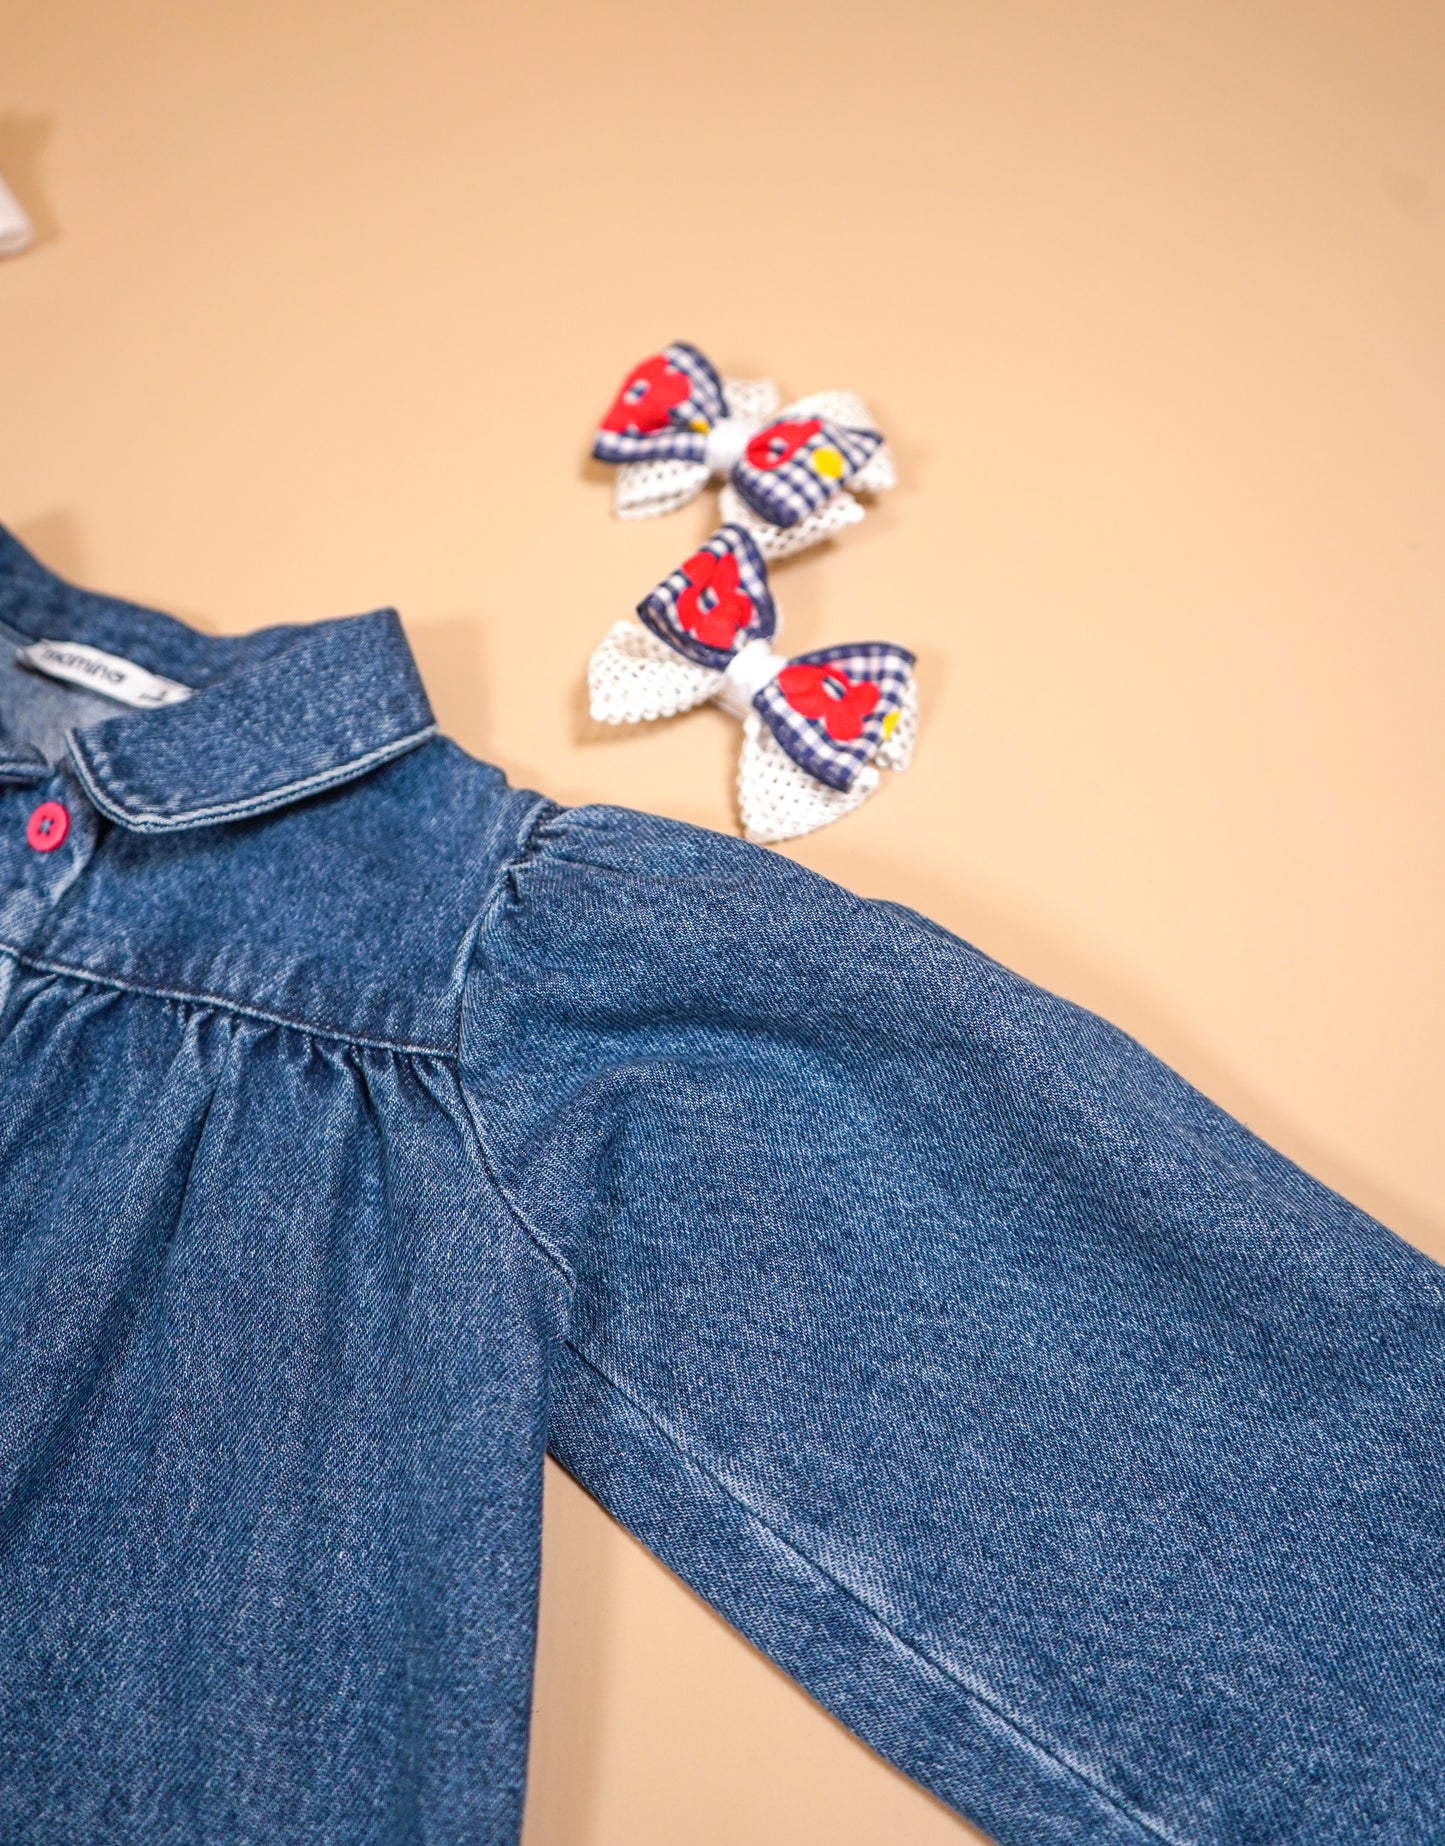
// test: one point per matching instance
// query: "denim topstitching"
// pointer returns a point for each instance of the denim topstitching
(221, 1003)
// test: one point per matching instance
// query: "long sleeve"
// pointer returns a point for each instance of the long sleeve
(1074, 1447)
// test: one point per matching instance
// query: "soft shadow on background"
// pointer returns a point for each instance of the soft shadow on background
(23, 141)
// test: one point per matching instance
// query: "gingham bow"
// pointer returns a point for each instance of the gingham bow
(789, 476)
(815, 726)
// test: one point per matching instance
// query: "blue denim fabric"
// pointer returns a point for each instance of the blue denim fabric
(368, 1127)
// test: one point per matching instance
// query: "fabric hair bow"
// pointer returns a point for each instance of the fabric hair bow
(790, 476)
(815, 727)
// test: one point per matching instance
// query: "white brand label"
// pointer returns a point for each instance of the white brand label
(107, 673)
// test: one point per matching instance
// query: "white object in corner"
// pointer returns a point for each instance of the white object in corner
(15, 232)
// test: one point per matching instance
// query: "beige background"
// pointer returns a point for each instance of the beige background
(1150, 299)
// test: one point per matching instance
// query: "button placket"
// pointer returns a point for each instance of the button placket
(47, 840)
(48, 826)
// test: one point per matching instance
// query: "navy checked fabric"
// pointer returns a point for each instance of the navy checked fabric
(805, 461)
(684, 437)
(679, 606)
(807, 738)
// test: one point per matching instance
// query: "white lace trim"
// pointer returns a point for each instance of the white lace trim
(647, 489)
(756, 399)
(633, 676)
(778, 799)
(835, 515)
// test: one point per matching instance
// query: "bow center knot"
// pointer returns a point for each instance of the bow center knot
(747, 673)
(727, 442)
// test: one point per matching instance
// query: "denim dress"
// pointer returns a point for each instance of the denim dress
(369, 1128)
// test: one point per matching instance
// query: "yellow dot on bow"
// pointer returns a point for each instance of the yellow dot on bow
(829, 463)
(888, 724)
(701, 425)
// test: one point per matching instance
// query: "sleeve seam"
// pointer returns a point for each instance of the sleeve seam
(529, 840)
(1128, 1811)
(488, 1164)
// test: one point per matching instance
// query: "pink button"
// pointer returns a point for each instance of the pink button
(48, 826)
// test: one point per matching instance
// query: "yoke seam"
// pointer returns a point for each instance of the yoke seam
(222, 1003)
(1133, 1815)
